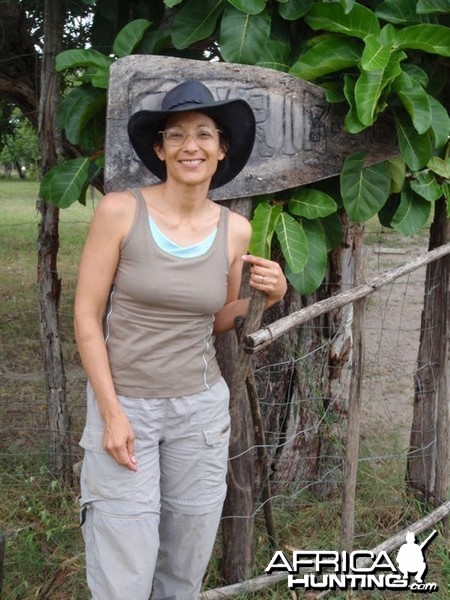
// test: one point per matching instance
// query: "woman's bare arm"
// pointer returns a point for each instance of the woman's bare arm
(265, 275)
(109, 226)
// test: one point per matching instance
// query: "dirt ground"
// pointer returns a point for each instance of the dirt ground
(392, 330)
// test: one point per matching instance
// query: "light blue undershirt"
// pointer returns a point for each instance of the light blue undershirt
(166, 244)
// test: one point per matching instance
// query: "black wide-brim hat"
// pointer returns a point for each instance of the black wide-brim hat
(234, 117)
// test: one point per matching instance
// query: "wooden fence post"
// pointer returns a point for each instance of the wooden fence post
(354, 406)
(428, 463)
(48, 282)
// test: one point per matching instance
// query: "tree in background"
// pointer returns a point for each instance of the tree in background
(18, 143)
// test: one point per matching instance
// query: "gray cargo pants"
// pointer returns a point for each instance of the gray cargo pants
(155, 529)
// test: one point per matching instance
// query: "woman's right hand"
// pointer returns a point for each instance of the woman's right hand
(118, 440)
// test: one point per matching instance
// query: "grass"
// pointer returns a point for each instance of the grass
(47, 546)
(44, 558)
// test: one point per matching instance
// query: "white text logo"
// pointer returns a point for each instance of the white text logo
(360, 569)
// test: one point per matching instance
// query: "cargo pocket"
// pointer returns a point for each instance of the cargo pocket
(214, 460)
(102, 478)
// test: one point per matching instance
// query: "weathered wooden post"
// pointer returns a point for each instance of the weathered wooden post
(47, 276)
(428, 460)
(300, 139)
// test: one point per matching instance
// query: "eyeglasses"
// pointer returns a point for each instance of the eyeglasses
(177, 137)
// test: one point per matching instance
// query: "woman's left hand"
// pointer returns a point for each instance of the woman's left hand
(267, 276)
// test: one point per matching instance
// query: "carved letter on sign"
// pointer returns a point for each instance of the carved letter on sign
(300, 138)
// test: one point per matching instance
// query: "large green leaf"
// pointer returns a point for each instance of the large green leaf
(360, 22)
(376, 55)
(368, 90)
(440, 166)
(426, 186)
(415, 147)
(196, 20)
(351, 123)
(363, 190)
(412, 213)
(95, 166)
(242, 36)
(69, 59)
(440, 122)
(154, 42)
(293, 242)
(433, 6)
(314, 271)
(434, 39)
(332, 227)
(416, 101)
(399, 12)
(294, 9)
(66, 183)
(77, 108)
(275, 55)
(416, 73)
(327, 56)
(347, 5)
(311, 204)
(397, 170)
(386, 213)
(92, 136)
(129, 37)
(250, 7)
(99, 78)
(334, 91)
(263, 226)
(370, 86)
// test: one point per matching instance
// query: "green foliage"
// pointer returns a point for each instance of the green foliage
(312, 204)
(328, 55)
(294, 9)
(300, 233)
(264, 220)
(416, 148)
(19, 143)
(412, 213)
(311, 276)
(78, 110)
(433, 6)
(242, 35)
(401, 12)
(195, 21)
(292, 241)
(434, 39)
(377, 58)
(68, 182)
(364, 190)
(129, 37)
(359, 22)
(82, 116)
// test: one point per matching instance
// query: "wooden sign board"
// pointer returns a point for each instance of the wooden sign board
(300, 137)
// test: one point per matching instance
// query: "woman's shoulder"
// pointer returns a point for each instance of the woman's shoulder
(240, 226)
(239, 234)
(115, 212)
(117, 204)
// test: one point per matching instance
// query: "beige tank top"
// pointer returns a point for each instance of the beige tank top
(160, 315)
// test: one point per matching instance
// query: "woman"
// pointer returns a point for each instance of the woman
(159, 276)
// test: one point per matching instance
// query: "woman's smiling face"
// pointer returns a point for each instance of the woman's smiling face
(190, 147)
